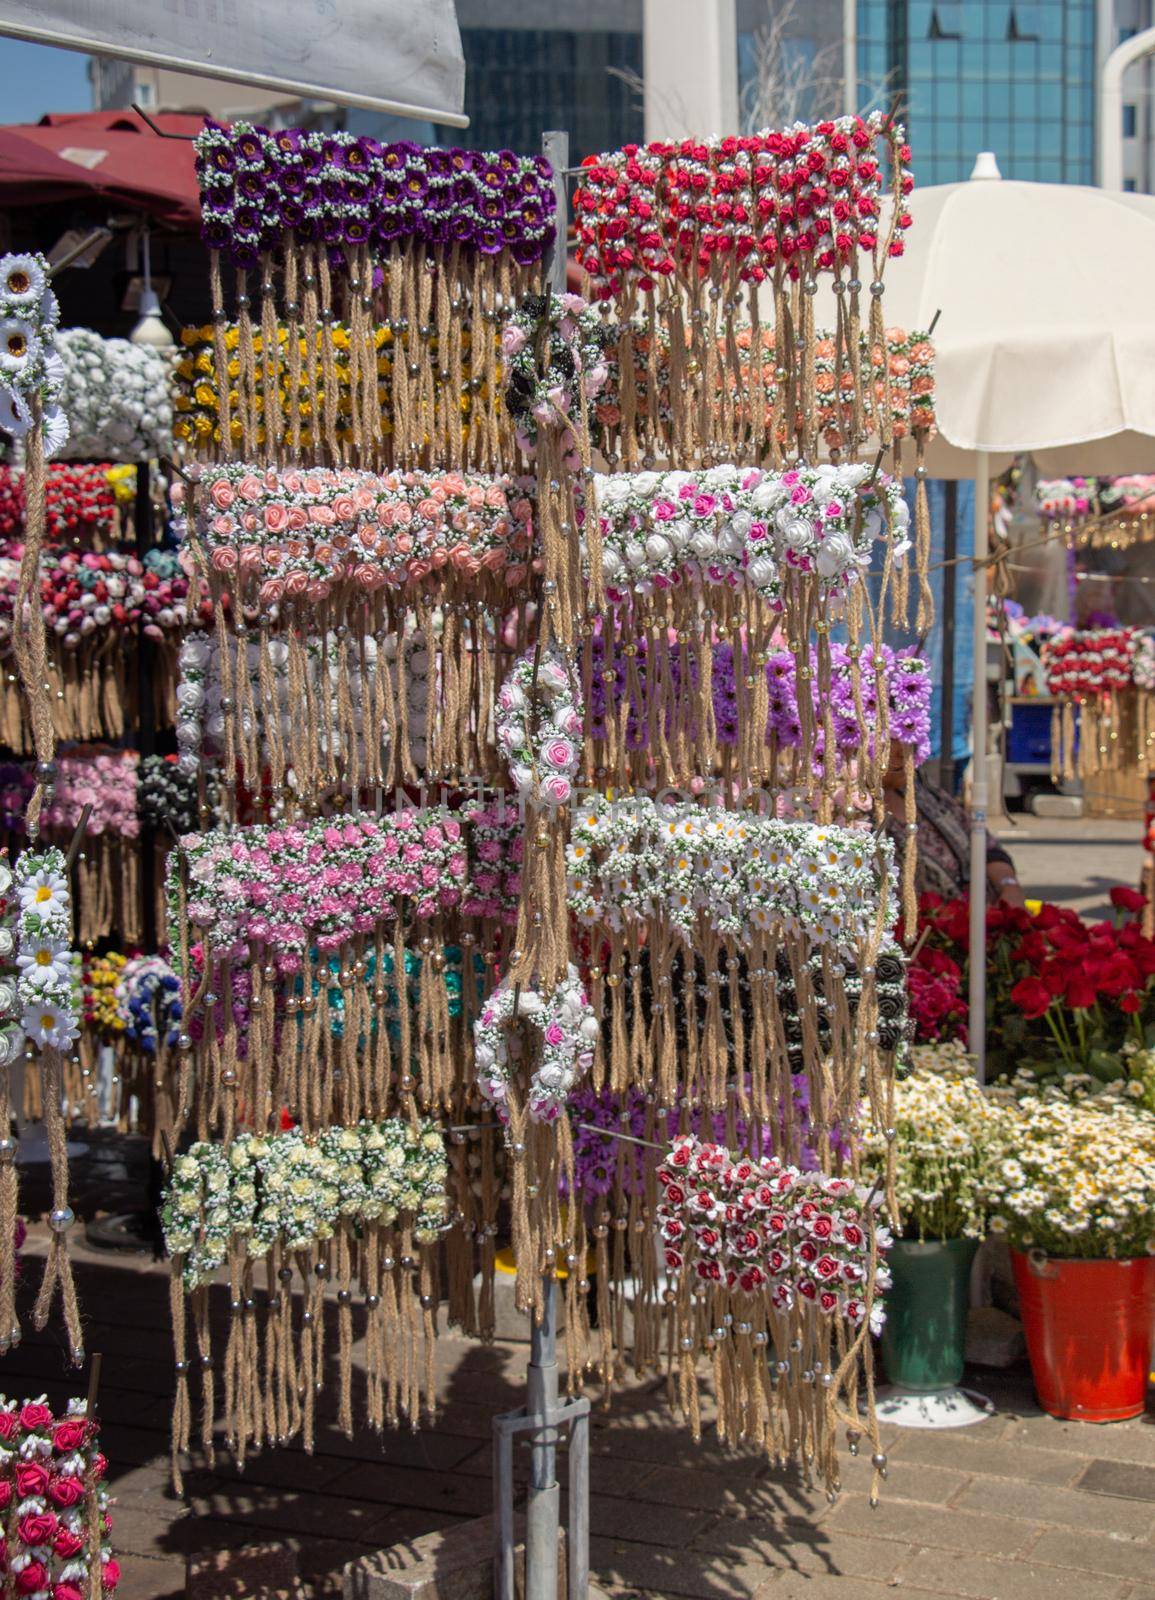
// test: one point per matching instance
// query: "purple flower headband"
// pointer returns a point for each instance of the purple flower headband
(261, 189)
(906, 680)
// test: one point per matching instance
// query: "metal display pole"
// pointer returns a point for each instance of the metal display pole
(977, 1021)
(946, 652)
(542, 1418)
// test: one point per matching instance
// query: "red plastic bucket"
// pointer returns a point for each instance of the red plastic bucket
(1088, 1326)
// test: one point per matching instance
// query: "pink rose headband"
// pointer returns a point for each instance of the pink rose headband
(277, 535)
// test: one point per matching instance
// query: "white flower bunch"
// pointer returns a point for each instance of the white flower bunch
(1143, 660)
(295, 1189)
(636, 859)
(538, 726)
(200, 717)
(948, 1144)
(44, 959)
(568, 1029)
(117, 398)
(11, 1000)
(1076, 1178)
(30, 362)
(744, 526)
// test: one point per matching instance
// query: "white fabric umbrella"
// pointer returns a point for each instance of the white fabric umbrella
(1045, 343)
(1046, 339)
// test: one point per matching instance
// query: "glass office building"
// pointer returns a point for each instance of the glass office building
(1018, 79)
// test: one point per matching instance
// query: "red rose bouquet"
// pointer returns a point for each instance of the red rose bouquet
(53, 1504)
(1063, 995)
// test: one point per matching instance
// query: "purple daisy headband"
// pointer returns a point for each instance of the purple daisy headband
(260, 189)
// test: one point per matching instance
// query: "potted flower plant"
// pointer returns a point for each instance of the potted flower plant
(1074, 1193)
(947, 1139)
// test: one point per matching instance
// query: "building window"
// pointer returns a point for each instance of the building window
(1129, 185)
(937, 30)
(1130, 121)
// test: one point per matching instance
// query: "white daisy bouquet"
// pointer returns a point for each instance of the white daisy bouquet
(44, 959)
(950, 1136)
(1075, 1178)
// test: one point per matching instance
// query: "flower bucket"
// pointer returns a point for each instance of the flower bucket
(1088, 1326)
(924, 1335)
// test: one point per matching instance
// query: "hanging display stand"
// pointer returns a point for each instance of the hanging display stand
(542, 1417)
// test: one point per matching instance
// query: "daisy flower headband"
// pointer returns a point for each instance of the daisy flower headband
(30, 365)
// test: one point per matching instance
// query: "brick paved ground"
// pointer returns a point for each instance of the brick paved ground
(1018, 1507)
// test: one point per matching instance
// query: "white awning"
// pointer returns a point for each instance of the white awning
(386, 55)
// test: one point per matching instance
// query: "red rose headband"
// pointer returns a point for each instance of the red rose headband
(771, 1270)
(1100, 721)
(714, 219)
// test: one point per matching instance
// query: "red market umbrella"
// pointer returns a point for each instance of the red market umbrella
(109, 153)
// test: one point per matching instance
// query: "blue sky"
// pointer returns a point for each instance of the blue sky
(37, 79)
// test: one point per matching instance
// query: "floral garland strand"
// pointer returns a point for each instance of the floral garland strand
(760, 1255)
(538, 726)
(48, 984)
(528, 1084)
(52, 1489)
(362, 1207)
(555, 368)
(428, 242)
(31, 369)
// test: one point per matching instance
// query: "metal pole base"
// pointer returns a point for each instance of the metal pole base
(541, 1564)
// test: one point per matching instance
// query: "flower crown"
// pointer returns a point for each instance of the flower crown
(301, 534)
(89, 596)
(340, 682)
(296, 1189)
(744, 526)
(806, 195)
(48, 970)
(52, 1492)
(538, 727)
(106, 783)
(148, 1002)
(320, 883)
(906, 684)
(569, 1031)
(1090, 663)
(260, 189)
(555, 357)
(79, 502)
(634, 860)
(892, 383)
(761, 1227)
(30, 364)
(279, 388)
